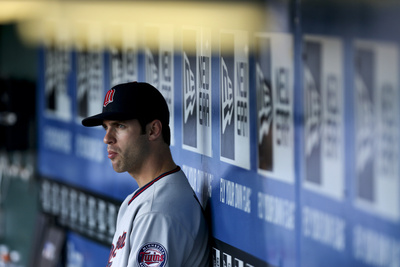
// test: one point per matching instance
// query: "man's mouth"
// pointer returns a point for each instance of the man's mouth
(112, 154)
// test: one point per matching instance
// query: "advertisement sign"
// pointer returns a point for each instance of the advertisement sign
(275, 100)
(323, 109)
(123, 55)
(197, 109)
(58, 99)
(234, 99)
(159, 66)
(376, 134)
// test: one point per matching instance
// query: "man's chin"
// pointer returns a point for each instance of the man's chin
(118, 169)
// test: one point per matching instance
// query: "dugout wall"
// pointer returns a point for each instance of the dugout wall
(287, 129)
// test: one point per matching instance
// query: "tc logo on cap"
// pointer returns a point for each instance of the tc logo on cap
(109, 97)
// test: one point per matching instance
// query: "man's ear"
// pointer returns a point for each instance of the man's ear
(154, 130)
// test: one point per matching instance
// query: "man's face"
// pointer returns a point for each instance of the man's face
(127, 146)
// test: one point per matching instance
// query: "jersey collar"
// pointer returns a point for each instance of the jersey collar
(141, 190)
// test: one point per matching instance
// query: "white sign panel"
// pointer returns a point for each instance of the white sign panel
(274, 86)
(234, 99)
(323, 109)
(196, 73)
(376, 139)
(159, 64)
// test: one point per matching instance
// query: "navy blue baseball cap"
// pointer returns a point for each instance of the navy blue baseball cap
(133, 100)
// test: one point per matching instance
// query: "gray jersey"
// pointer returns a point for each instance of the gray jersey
(161, 224)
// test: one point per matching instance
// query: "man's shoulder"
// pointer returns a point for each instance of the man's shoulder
(173, 188)
(172, 195)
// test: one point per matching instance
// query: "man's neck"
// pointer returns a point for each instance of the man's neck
(153, 168)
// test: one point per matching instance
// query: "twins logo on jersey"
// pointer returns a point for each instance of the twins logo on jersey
(152, 255)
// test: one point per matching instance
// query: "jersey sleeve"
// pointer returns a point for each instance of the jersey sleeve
(158, 238)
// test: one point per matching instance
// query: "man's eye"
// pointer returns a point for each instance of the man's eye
(121, 126)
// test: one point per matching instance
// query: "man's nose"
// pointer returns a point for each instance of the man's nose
(109, 137)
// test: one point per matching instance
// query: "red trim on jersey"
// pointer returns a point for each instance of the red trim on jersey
(141, 190)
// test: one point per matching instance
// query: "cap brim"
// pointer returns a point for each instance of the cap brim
(98, 119)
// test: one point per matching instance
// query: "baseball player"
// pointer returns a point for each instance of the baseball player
(161, 223)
